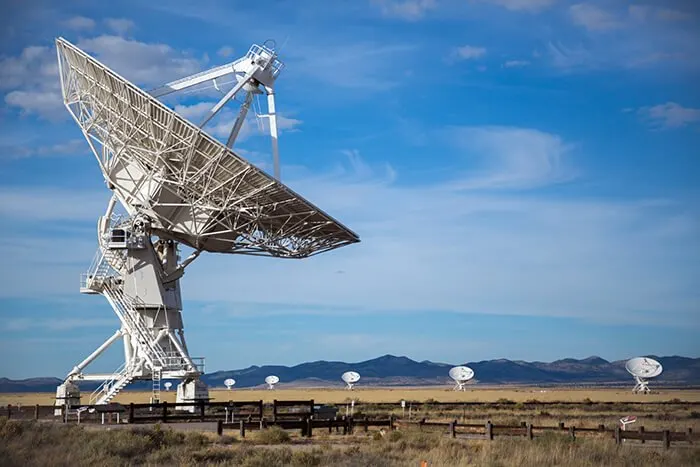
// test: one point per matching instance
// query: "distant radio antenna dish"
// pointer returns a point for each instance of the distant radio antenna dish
(350, 378)
(461, 374)
(642, 369)
(271, 381)
(229, 382)
(178, 186)
(168, 385)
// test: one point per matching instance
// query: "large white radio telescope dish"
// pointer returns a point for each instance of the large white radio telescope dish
(461, 374)
(271, 381)
(178, 186)
(350, 378)
(229, 382)
(642, 368)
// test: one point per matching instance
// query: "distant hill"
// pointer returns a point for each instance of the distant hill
(390, 370)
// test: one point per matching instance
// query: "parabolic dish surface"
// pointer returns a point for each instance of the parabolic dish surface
(350, 377)
(461, 373)
(193, 188)
(644, 367)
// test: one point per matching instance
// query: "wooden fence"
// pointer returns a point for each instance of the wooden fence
(302, 415)
(489, 431)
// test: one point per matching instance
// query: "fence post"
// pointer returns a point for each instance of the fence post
(309, 426)
(366, 423)
(312, 407)
(219, 427)
(9, 411)
(201, 409)
(618, 435)
(689, 435)
(489, 430)
(641, 432)
(453, 434)
(391, 422)
(523, 424)
(561, 425)
(165, 411)
(36, 412)
(601, 427)
(572, 433)
(262, 423)
(667, 439)
(529, 431)
(345, 425)
(330, 425)
(274, 411)
(303, 426)
(65, 413)
(242, 428)
(420, 424)
(131, 413)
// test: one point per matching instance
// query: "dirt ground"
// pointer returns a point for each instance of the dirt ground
(374, 394)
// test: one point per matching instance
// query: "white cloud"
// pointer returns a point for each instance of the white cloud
(39, 204)
(410, 10)
(32, 77)
(23, 151)
(522, 5)
(221, 125)
(34, 66)
(516, 63)
(141, 62)
(225, 51)
(426, 246)
(510, 157)
(468, 52)
(364, 66)
(430, 247)
(120, 26)
(593, 18)
(669, 115)
(79, 23)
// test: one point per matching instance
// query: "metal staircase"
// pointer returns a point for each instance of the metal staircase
(110, 388)
(123, 307)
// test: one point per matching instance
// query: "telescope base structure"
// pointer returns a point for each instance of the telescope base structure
(641, 386)
(191, 391)
(460, 386)
(139, 276)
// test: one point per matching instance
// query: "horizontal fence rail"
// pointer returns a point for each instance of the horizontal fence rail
(306, 416)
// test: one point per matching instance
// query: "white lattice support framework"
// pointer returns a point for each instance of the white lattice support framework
(178, 186)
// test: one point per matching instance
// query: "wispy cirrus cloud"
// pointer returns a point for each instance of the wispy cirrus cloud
(593, 18)
(411, 10)
(467, 52)
(120, 26)
(79, 23)
(31, 149)
(511, 157)
(522, 5)
(669, 115)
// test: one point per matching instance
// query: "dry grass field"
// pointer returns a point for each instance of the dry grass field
(421, 394)
(35, 444)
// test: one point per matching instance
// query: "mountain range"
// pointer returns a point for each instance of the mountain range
(390, 370)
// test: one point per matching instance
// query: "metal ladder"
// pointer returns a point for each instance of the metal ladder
(156, 374)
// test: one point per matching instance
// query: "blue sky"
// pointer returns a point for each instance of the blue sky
(523, 175)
